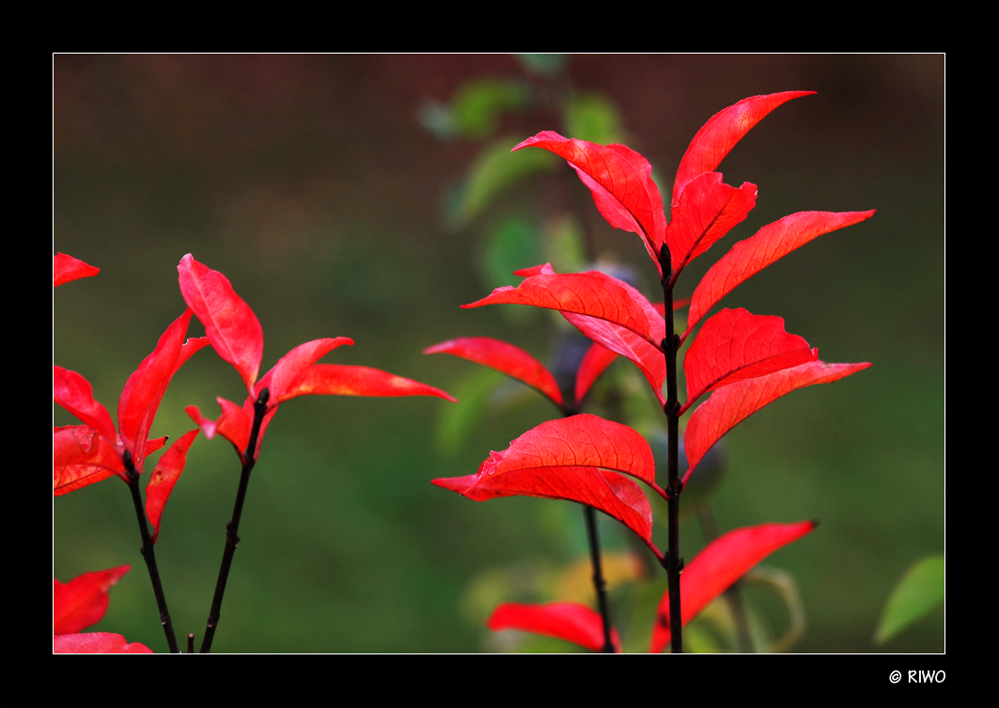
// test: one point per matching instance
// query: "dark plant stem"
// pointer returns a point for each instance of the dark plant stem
(674, 564)
(598, 578)
(190, 643)
(232, 528)
(149, 554)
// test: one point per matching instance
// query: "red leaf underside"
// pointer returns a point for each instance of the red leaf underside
(83, 601)
(164, 477)
(570, 621)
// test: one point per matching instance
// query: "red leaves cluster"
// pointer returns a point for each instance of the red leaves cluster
(743, 360)
(81, 603)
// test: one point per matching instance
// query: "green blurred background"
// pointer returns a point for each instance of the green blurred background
(330, 191)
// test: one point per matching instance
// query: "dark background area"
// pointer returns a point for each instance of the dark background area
(309, 182)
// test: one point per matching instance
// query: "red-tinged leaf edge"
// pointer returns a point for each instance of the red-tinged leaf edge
(66, 269)
(164, 477)
(341, 380)
(83, 601)
(80, 458)
(620, 181)
(730, 405)
(717, 137)
(144, 390)
(292, 364)
(736, 344)
(721, 563)
(232, 328)
(766, 246)
(614, 494)
(96, 643)
(505, 358)
(75, 394)
(568, 621)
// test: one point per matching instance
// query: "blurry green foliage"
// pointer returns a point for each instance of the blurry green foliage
(593, 117)
(495, 170)
(918, 591)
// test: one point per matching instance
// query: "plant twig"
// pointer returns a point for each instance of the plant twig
(232, 528)
(148, 554)
(598, 578)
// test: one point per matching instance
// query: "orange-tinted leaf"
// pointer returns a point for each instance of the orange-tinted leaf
(720, 134)
(621, 183)
(719, 565)
(164, 477)
(339, 380)
(83, 600)
(730, 405)
(593, 294)
(232, 328)
(74, 393)
(563, 620)
(66, 268)
(595, 362)
(292, 364)
(82, 457)
(768, 245)
(735, 345)
(505, 358)
(97, 643)
(140, 399)
(616, 495)
(708, 210)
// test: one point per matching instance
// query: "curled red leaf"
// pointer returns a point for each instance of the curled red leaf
(66, 269)
(570, 621)
(730, 405)
(768, 245)
(74, 393)
(720, 564)
(234, 424)
(292, 364)
(594, 363)
(735, 345)
(505, 358)
(164, 477)
(339, 380)
(83, 601)
(620, 181)
(720, 134)
(232, 328)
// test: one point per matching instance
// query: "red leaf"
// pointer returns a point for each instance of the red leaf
(563, 620)
(292, 364)
(708, 210)
(593, 294)
(720, 134)
(164, 477)
(234, 424)
(719, 565)
(74, 393)
(232, 328)
(97, 643)
(505, 358)
(621, 183)
(735, 345)
(338, 380)
(595, 362)
(81, 457)
(614, 494)
(83, 601)
(140, 399)
(768, 245)
(730, 405)
(66, 269)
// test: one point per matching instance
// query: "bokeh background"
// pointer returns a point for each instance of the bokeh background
(338, 194)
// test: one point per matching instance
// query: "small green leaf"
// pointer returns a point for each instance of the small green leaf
(478, 105)
(495, 170)
(919, 591)
(594, 118)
